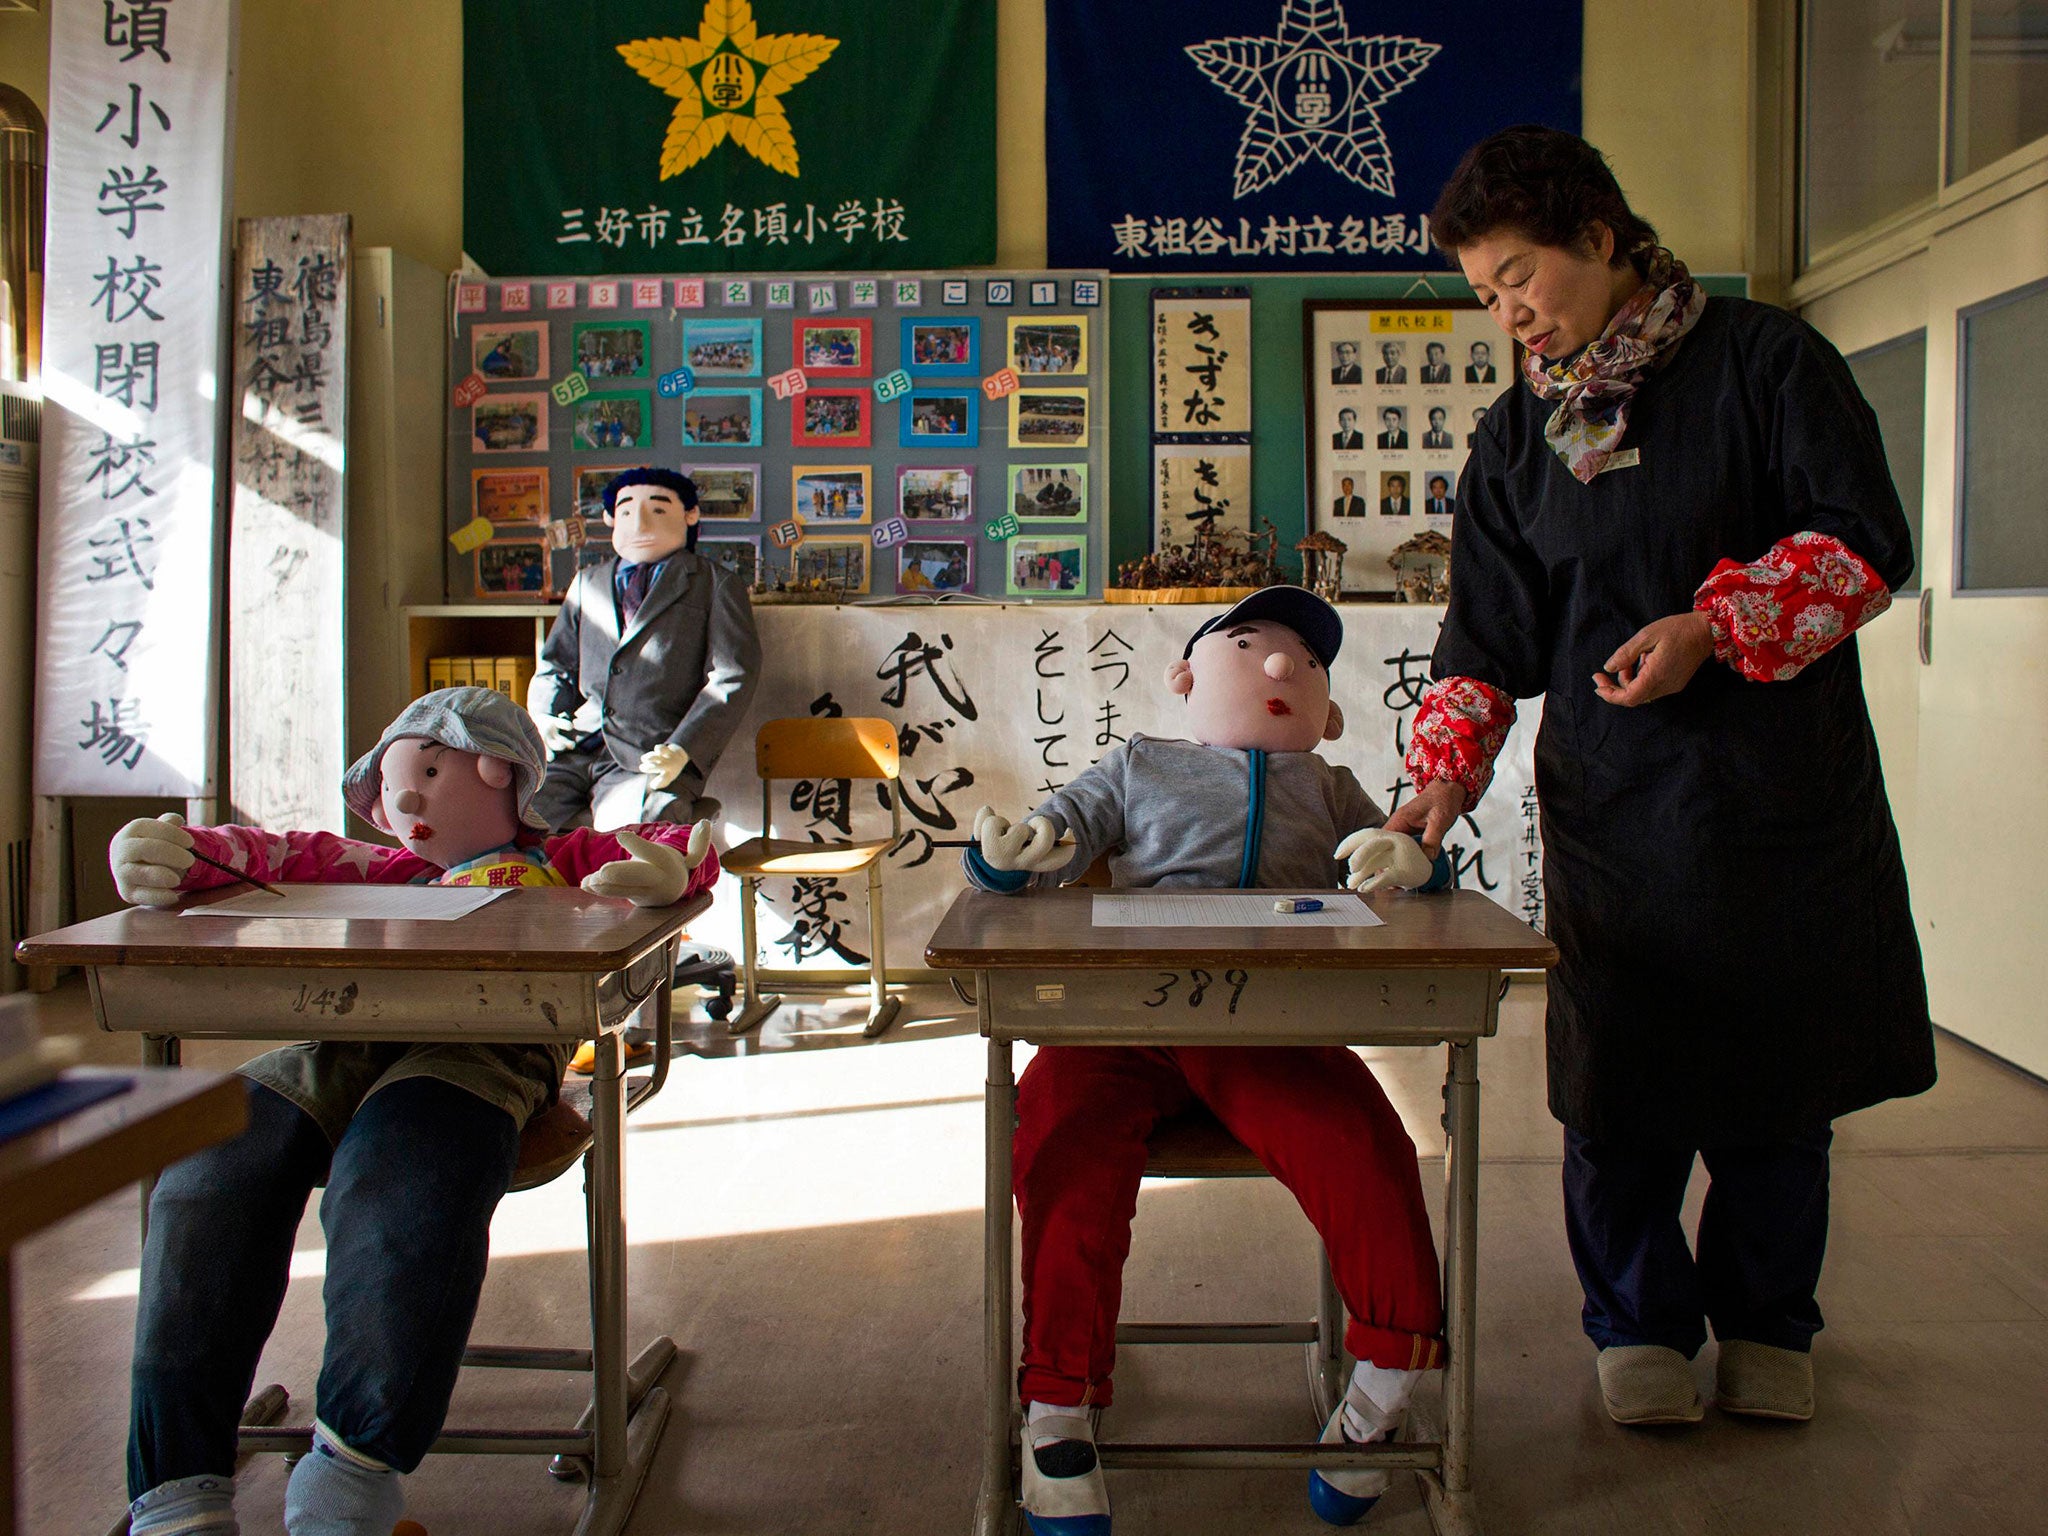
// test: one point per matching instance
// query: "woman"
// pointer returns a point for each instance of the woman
(1671, 533)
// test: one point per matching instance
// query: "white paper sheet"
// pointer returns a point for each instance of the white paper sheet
(416, 903)
(1226, 909)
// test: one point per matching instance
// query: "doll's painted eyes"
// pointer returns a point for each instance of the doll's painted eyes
(1244, 645)
(433, 772)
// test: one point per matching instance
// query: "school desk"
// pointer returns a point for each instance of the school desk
(57, 1169)
(1433, 974)
(535, 964)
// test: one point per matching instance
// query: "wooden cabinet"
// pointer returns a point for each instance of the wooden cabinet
(469, 629)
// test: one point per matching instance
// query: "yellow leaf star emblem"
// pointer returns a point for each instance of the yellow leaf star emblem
(728, 79)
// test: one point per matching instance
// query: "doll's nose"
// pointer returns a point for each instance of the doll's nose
(1279, 666)
(408, 802)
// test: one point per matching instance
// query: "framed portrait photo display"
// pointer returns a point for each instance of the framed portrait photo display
(1394, 390)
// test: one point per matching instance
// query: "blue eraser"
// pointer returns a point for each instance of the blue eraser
(1297, 904)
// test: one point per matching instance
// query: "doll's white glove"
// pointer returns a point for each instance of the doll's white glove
(663, 764)
(558, 733)
(653, 874)
(1033, 847)
(1375, 857)
(149, 858)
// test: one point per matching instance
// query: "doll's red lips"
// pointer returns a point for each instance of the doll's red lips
(420, 832)
(1277, 707)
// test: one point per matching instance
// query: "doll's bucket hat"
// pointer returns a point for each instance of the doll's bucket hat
(479, 720)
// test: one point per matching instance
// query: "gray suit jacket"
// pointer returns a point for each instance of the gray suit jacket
(681, 673)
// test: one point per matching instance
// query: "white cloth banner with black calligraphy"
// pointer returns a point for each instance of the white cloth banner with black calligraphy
(126, 613)
(994, 706)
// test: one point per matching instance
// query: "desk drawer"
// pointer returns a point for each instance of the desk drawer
(286, 1003)
(1144, 1006)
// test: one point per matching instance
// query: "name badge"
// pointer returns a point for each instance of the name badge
(1628, 458)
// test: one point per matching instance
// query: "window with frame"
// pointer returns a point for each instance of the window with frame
(2002, 453)
(1893, 378)
(1870, 110)
(1998, 81)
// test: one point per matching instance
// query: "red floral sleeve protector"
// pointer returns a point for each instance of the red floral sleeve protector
(1790, 606)
(1458, 733)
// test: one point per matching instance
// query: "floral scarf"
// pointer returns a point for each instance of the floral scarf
(1593, 389)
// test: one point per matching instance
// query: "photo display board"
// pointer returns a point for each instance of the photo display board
(877, 435)
(1394, 391)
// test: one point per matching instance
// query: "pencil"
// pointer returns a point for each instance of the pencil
(226, 869)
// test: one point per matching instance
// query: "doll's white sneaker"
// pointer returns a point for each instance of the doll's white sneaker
(1345, 1497)
(1064, 1494)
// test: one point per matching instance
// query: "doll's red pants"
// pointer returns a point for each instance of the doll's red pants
(1315, 1116)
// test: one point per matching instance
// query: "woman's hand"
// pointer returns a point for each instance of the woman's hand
(1430, 815)
(1657, 660)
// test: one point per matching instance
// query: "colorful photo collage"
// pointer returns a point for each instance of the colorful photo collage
(807, 487)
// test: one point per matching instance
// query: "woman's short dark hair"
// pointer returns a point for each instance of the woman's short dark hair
(1550, 185)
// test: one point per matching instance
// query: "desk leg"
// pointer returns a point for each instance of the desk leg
(1452, 1509)
(620, 1455)
(995, 1509)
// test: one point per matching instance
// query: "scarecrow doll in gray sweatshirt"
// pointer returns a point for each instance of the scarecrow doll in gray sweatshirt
(1244, 802)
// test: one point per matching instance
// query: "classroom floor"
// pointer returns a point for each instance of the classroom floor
(805, 1214)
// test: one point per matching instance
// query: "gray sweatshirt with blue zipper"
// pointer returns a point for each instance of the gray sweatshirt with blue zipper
(1177, 813)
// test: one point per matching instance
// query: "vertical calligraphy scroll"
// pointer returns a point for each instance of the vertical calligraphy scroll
(1199, 486)
(287, 707)
(126, 624)
(1201, 400)
(1202, 364)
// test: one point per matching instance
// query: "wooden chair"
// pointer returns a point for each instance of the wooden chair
(853, 747)
(1194, 1145)
(552, 1143)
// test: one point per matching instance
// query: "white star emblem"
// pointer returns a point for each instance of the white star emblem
(357, 856)
(1312, 89)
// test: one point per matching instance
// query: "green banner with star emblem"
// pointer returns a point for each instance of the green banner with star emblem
(604, 136)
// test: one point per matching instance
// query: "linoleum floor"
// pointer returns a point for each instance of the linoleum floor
(805, 1219)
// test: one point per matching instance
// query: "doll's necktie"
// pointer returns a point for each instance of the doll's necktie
(638, 579)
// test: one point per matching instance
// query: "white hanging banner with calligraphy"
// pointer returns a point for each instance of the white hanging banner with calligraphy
(999, 706)
(126, 643)
(287, 708)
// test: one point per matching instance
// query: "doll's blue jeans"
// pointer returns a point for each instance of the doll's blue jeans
(411, 1187)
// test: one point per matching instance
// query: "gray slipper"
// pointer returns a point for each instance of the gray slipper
(1648, 1384)
(1763, 1381)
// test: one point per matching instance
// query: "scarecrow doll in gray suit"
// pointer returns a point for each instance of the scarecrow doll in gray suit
(646, 673)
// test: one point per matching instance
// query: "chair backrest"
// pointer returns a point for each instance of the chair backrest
(846, 747)
(1096, 874)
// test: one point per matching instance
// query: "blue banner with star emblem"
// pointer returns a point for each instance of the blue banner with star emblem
(1282, 135)
(604, 136)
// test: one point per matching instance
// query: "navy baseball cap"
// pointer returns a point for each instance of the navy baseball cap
(1321, 630)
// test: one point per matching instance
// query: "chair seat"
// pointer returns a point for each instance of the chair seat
(555, 1138)
(1194, 1145)
(789, 856)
